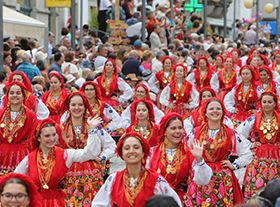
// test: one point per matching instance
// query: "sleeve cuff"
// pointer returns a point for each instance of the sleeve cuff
(201, 163)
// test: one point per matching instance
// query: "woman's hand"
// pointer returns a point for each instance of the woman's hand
(94, 122)
(255, 145)
(197, 150)
(227, 163)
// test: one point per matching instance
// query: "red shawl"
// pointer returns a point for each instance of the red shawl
(53, 195)
(153, 134)
(226, 85)
(162, 80)
(118, 193)
(183, 165)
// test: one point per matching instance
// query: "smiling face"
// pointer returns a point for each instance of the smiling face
(55, 84)
(202, 64)
(140, 93)
(11, 190)
(132, 151)
(15, 95)
(179, 72)
(214, 111)
(268, 103)
(205, 95)
(228, 63)
(48, 137)
(264, 76)
(90, 91)
(246, 75)
(219, 61)
(76, 106)
(109, 67)
(167, 64)
(142, 112)
(174, 132)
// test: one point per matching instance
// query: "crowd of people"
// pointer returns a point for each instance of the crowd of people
(194, 119)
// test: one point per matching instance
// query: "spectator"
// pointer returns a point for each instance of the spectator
(26, 66)
(250, 36)
(155, 38)
(102, 53)
(56, 65)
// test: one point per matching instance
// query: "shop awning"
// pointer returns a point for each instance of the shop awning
(18, 24)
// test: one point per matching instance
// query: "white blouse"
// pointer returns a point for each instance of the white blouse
(194, 97)
(126, 116)
(242, 148)
(202, 172)
(109, 113)
(189, 123)
(92, 151)
(103, 197)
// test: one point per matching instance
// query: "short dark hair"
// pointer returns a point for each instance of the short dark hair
(57, 56)
(161, 201)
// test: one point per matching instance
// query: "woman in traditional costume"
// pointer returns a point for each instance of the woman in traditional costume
(26, 191)
(180, 95)
(173, 159)
(134, 185)
(202, 75)
(83, 179)
(242, 100)
(16, 122)
(263, 130)
(196, 117)
(47, 164)
(110, 117)
(236, 58)
(219, 63)
(220, 142)
(225, 79)
(143, 121)
(55, 96)
(114, 89)
(31, 101)
(141, 92)
(163, 77)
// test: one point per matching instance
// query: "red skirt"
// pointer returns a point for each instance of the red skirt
(264, 167)
(53, 198)
(222, 190)
(11, 155)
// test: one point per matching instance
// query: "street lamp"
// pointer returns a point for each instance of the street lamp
(249, 5)
(269, 8)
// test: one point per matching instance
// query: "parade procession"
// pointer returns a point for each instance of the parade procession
(140, 103)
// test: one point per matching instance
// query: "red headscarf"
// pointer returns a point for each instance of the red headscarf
(149, 106)
(220, 56)
(251, 68)
(34, 196)
(165, 121)
(268, 70)
(206, 89)
(251, 51)
(66, 103)
(114, 83)
(264, 59)
(173, 78)
(206, 60)
(37, 131)
(146, 90)
(7, 89)
(207, 102)
(145, 144)
(275, 98)
(26, 80)
(60, 78)
(96, 88)
(167, 57)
